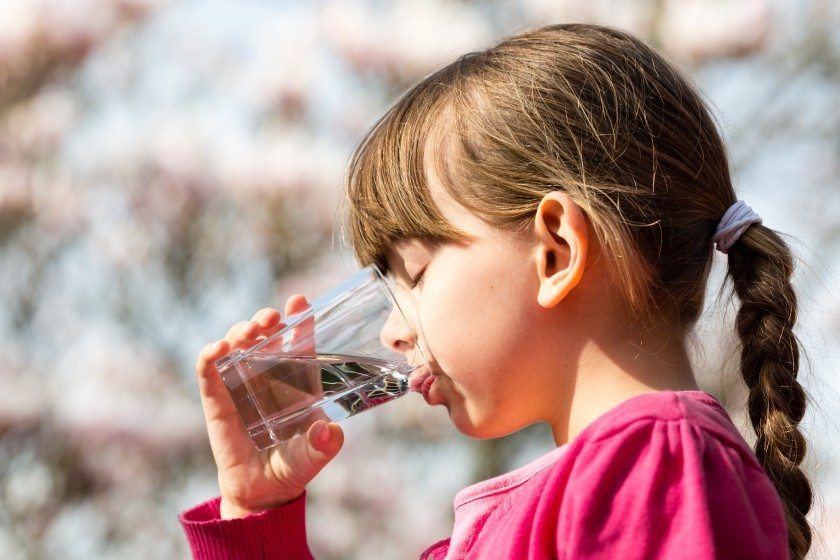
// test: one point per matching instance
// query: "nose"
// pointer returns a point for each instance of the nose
(396, 335)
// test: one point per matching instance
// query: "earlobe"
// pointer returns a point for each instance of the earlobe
(562, 241)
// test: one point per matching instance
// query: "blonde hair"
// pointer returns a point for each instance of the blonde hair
(595, 113)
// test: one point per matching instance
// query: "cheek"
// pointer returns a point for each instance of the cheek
(476, 326)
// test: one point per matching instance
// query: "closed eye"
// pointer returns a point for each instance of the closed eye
(412, 283)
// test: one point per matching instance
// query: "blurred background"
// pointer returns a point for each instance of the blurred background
(168, 167)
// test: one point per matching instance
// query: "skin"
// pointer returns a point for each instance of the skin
(527, 328)
(517, 328)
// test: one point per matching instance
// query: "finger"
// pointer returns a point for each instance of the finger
(210, 384)
(325, 441)
(206, 362)
(228, 439)
(296, 304)
(268, 321)
(242, 333)
(271, 326)
(275, 328)
(277, 343)
(303, 337)
(266, 318)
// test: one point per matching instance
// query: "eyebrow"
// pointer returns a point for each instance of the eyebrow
(430, 246)
(383, 263)
(387, 270)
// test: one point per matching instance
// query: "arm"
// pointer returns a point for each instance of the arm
(274, 533)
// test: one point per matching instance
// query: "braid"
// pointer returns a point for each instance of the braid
(761, 266)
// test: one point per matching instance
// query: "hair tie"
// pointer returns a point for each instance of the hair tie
(734, 222)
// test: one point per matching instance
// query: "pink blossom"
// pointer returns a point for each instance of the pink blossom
(105, 390)
(15, 197)
(19, 27)
(635, 17)
(58, 204)
(39, 122)
(407, 40)
(698, 30)
(27, 402)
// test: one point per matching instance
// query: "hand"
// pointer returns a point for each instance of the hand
(251, 481)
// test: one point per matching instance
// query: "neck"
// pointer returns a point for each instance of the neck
(612, 369)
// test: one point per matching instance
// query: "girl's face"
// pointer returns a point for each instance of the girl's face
(480, 325)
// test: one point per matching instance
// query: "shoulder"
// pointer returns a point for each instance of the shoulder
(695, 409)
(660, 471)
(662, 437)
(658, 441)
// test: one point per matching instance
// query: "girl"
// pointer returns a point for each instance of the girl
(549, 209)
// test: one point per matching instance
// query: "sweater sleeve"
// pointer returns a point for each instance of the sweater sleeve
(275, 533)
(661, 489)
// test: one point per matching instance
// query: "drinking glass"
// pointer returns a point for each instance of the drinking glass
(328, 362)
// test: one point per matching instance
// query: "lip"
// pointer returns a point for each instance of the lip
(427, 387)
(421, 381)
(418, 378)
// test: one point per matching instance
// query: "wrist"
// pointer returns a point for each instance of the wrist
(231, 509)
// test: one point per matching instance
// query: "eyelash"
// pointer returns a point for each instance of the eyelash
(414, 281)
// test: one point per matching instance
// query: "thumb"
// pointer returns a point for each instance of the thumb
(324, 440)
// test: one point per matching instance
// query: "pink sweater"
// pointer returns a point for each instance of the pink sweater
(664, 475)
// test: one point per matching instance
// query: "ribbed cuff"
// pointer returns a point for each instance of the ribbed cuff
(275, 533)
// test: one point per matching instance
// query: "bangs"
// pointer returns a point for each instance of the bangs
(387, 189)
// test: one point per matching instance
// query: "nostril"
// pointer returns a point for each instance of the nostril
(402, 346)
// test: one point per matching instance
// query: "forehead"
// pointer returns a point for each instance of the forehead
(407, 249)
(440, 164)
(414, 249)
(408, 189)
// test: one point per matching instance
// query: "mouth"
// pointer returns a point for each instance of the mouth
(421, 381)
(419, 378)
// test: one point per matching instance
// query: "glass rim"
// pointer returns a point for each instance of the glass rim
(334, 296)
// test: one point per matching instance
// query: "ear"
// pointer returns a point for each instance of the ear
(562, 240)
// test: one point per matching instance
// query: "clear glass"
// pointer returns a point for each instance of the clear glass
(326, 363)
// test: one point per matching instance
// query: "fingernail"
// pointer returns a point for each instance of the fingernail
(322, 433)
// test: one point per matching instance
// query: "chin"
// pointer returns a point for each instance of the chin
(479, 428)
